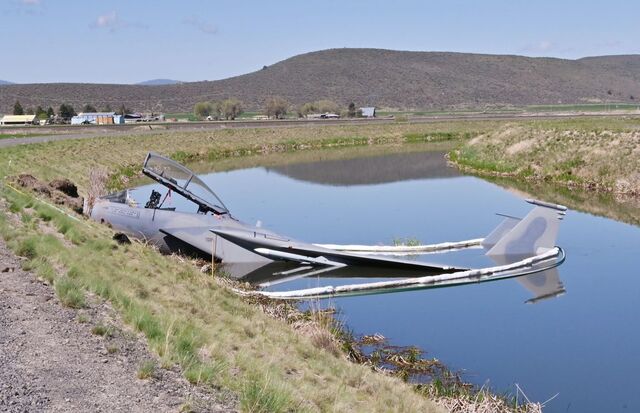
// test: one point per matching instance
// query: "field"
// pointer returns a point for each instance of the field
(559, 108)
(191, 319)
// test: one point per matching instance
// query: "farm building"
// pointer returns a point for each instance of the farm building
(369, 112)
(98, 118)
(19, 120)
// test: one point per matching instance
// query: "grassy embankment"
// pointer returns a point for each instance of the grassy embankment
(189, 318)
(589, 164)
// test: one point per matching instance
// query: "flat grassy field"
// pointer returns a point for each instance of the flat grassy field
(587, 107)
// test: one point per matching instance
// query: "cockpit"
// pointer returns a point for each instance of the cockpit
(183, 181)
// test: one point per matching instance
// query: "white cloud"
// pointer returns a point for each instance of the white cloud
(542, 46)
(201, 25)
(112, 22)
(109, 20)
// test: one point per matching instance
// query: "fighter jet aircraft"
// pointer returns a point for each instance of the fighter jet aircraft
(517, 246)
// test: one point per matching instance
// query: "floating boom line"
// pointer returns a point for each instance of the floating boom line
(405, 249)
(549, 259)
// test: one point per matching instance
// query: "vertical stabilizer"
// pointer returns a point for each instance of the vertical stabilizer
(505, 226)
(534, 234)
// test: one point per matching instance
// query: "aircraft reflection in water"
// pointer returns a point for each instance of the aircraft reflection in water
(522, 248)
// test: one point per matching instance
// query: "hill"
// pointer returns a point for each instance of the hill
(384, 78)
(158, 82)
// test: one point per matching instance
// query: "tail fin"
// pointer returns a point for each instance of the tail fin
(505, 226)
(534, 234)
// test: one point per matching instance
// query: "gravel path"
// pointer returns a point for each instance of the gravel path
(50, 360)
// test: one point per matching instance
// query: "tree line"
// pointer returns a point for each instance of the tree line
(227, 109)
(275, 107)
(65, 111)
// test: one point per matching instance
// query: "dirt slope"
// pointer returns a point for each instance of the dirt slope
(49, 361)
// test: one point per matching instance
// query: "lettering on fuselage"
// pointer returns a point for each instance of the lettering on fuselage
(125, 212)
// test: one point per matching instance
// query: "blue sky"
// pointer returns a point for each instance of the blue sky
(119, 41)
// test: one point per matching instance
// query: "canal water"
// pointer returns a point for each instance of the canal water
(580, 343)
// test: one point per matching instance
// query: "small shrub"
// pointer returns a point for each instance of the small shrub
(74, 272)
(203, 373)
(146, 370)
(259, 396)
(45, 214)
(69, 293)
(27, 248)
(112, 349)
(102, 330)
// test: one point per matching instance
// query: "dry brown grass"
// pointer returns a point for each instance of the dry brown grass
(594, 155)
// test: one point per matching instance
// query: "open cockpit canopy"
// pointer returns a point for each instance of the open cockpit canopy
(183, 181)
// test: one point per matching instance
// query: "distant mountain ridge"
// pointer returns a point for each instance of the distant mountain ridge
(384, 78)
(158, 82)
(4, 82)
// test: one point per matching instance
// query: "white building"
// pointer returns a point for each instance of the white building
(368, 112)
(19, 120)
(97, 118)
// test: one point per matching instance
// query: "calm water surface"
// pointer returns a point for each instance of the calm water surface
(583, 345)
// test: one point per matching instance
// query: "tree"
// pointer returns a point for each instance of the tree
(202, 109)
(66, 111)
(123, 110)
(216, 112)
(327, 106)
(50, 112)
(307, 108)
(107, 108)
(351, 110)
(276, 107)
(89, 108)
(17, 109)
(231, 108)
(41, 113)
(29, 111)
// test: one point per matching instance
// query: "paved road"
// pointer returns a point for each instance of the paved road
(56, 133)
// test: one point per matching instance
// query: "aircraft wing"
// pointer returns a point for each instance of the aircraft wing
(282, 249)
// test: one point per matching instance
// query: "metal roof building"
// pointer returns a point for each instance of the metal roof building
(18, 120)
(369, 112)
(97, 118)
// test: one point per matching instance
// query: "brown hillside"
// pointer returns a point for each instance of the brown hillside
(385, 78)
